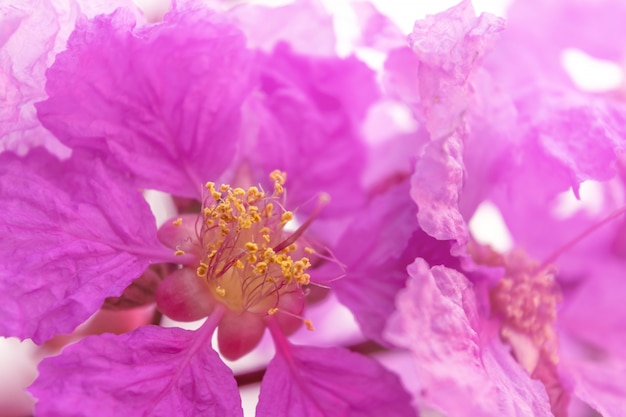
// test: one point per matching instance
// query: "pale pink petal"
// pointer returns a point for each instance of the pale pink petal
(602, 385)
(305, 24)
(449, 46)
(163, 99)
(43, 25)
(152, 371)
(72, 236)
(594, 310)
(330, 382)
(436, 189)
(464, 369)
(377, 31)
(400, 76)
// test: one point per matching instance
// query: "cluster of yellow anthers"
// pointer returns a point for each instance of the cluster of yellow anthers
(527, 300)
(247, 257)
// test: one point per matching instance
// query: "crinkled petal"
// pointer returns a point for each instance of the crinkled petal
(163, 100)
(330, 382)
(464, 369)
(376, 253)
(449, 46)
(569, 138)
(436, 188)
(152, 371)
(43, 25)
(72, 236)
(306, 124)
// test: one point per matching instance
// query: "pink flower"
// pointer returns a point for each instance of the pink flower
(514, 132)
(184, 106)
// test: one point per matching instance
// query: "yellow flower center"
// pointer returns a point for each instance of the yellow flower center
(526, 300)
(248, 260)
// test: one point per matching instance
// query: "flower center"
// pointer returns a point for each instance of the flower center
(526, 300)
(247, 258)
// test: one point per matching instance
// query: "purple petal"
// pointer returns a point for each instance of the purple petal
(152, 371)
(377, 252)
(306, 124)
(72, 236)
(163, 100)
(464, 368)
(330, 382)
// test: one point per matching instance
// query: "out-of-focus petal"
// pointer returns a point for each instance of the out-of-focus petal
(330, 382)
(44, 26)
(152, 371)
(602, 385)
(305, 24)
(449, 46)
(306, 124)
(456, 353)
(376, 250)
(377, 31)
(163, 99)
(71, 236)
(594, 310)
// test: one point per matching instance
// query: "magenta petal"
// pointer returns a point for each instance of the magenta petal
(306, 124)
(163, 99)
(377, 252)
(463, 367)
(330, 382)
(152, 371)
(601, 385)
(71, 237)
